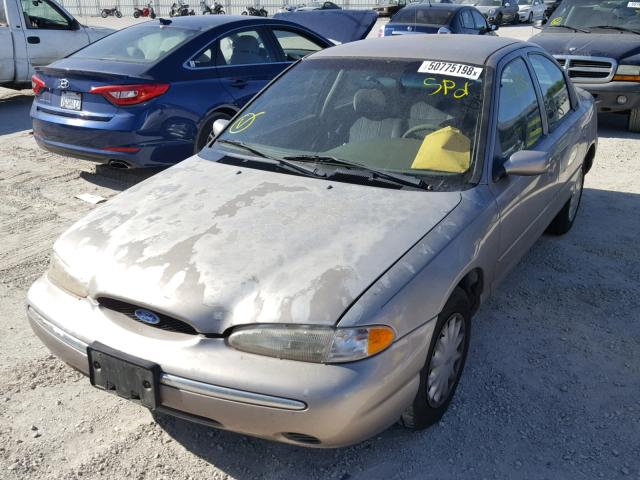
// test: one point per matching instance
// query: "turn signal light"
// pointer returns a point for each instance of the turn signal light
(131, 94)
(626, 78)
(37, 84)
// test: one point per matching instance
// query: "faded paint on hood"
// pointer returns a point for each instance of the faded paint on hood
(218, 245)
(614, 45)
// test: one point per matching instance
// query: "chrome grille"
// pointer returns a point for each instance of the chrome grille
(588, 69)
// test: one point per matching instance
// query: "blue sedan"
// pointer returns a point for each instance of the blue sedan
(437, 18)
(148, 95)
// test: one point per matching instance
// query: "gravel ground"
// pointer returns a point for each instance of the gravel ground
(550, 389)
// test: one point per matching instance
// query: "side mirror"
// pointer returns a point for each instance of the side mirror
(493, 27)
(219, 125)
(527, 163)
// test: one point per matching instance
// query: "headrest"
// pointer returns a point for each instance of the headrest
(370, 103)
(246, 43)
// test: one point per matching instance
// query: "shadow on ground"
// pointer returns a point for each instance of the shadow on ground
(548, 390)
(14, 114)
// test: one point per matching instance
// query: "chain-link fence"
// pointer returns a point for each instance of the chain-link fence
(92, 8)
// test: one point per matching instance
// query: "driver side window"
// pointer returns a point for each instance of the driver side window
(41, 14)
(519, 116)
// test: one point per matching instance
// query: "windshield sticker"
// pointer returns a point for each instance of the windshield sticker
(451, 69)
(556, 21)
(633, 5)
(447, 87)
(244, 122)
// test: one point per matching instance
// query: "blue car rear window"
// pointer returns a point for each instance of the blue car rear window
(146, 44)
(424, 16)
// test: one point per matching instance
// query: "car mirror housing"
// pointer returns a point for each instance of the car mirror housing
(493, 27)
(219, 125)
(527, 163)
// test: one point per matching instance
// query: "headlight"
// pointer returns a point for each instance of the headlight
(312, 344)
(59, 275)
(628, 73)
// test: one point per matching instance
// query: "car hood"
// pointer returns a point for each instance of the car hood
(96, 33)
(216, 245)
(614, 45)
(339, 26)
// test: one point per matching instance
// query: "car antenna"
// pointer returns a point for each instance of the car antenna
(165, 21)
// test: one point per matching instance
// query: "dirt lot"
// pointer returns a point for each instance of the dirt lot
(551, 387)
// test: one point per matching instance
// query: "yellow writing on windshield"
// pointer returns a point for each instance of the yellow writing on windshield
(446, 86)
(244, 122)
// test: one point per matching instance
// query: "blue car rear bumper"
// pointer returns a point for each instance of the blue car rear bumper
(139, 142)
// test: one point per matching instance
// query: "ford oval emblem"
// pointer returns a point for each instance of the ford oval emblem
(63, 84)
(146, 316)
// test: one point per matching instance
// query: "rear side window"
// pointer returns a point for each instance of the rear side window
(554, 89)
(467, 19)
(424, 16)
(519, 117)
(479, 20)
(137, 44)
(294, 45)
(246, 47)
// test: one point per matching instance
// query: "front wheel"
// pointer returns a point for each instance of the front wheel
(244, 12)
(136, 14)
(152, 15)
(445, 361)
(499, 20)
(119, 14)
(563, 222)
(530, 19)
(103, 14)
(634, 120)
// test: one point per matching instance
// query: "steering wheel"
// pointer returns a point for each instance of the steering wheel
(427, 128)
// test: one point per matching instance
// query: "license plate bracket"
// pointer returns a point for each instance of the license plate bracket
(71, 100)
(124, 375)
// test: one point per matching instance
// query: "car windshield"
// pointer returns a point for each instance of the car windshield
(591, 14)
(397, 116)
(140, 44)
(424, 16)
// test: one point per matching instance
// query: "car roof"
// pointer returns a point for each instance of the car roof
(208, 22)
(451, 48)
(437, 6)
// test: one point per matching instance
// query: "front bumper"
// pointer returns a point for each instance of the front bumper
(606, 95)
(205, 380)
(523, 15)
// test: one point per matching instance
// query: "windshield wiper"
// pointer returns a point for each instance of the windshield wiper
(575, 29)
(613, 27)
(278, 161)
(399, 178)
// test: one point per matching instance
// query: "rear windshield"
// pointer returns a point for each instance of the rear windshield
(424, 16)
(146, 44)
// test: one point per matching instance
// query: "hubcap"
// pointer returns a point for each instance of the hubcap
(576, 193)
(445, 362)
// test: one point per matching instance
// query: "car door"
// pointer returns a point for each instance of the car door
(524, 202)
(562, 116)
(50, 32)
(7, 61)
(246, 61)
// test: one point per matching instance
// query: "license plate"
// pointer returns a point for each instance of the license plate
(124, 375)
(71, 100)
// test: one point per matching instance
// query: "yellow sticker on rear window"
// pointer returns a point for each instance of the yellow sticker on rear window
(445, 150)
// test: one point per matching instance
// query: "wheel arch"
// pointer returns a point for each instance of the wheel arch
(472, 283)
(589, 157)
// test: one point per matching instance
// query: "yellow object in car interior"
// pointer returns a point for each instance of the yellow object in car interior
(445, 150)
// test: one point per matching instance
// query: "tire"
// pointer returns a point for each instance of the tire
(103, 14)
(499, 19)
(205, 135)
(426, 408)
(244, 12)
(119, 14)
(530, 19)
(634, 120)
(171, 13)
(222, 12)
(136, 14)
(563, 221)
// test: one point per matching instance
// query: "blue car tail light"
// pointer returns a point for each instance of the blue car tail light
(123, 95)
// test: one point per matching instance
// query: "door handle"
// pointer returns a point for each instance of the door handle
(239, 83)
(33, 39)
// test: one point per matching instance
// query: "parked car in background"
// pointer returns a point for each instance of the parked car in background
(550, 7)
(36, 33)
(387, 9)
(149, 94)
(311, 277)
(497, 12)
(318, 6)
(530, 10)
(598, 43)
(437, 18)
